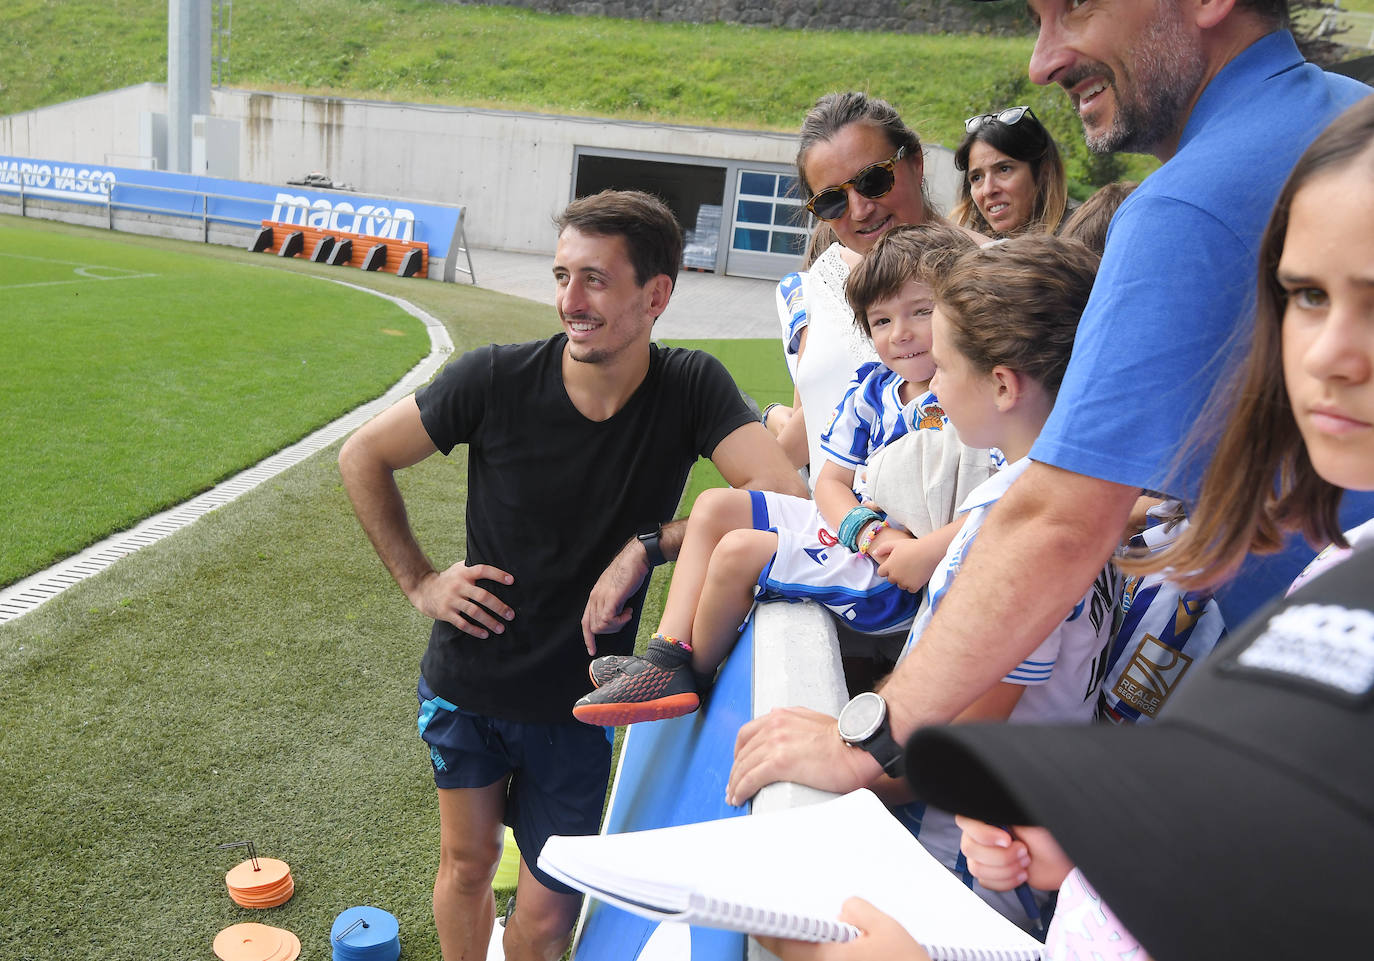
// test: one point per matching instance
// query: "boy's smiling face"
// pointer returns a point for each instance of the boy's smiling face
(900, 328)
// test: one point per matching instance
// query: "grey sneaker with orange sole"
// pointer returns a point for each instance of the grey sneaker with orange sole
(650, 688)
(607, 667)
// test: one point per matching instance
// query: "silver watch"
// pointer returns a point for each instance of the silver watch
(863, 723)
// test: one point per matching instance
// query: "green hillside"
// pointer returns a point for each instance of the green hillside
(510, 58)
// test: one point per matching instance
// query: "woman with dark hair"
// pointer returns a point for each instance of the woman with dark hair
(1013, 175)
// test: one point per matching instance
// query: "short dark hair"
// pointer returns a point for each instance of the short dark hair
(1271, 11)
(913, 252)
(1016, 303)
(653, 237)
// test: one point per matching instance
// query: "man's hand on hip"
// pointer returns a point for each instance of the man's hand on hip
(456, 595)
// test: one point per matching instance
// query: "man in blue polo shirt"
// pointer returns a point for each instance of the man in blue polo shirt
(1218, 91)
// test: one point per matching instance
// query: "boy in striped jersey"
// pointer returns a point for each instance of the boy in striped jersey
(1003, 329)
(743, 546)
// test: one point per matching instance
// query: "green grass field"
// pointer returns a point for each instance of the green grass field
(249, 677)
(136, 378)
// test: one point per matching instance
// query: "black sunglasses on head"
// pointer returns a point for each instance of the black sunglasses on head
(873, 181)
(1011, 115)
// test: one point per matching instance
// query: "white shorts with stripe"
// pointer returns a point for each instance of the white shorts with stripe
(810, 564)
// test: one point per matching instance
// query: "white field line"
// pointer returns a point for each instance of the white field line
(85, 271)
(23, 596)
(52, 260)
(86, 280)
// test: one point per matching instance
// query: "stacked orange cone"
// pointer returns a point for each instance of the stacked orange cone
(260, 883)
(256, 942)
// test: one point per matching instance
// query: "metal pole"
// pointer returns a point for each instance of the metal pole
(188, 76)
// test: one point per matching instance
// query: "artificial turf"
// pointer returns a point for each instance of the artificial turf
(248, 678)
(136, 377)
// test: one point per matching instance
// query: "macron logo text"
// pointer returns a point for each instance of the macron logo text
(344, 218)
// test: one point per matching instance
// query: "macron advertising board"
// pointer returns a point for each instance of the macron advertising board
(234, 201)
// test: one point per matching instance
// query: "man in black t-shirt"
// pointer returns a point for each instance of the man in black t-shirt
(578, 451)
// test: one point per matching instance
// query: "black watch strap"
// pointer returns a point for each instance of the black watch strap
(863, 723)
(652, 549)
(886, 751)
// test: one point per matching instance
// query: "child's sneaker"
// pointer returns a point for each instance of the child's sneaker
(608, 667)
(649, 688)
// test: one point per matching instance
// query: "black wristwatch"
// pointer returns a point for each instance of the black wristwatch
(652, 549)
(863, 724)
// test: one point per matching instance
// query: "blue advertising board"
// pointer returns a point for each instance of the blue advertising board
(235, 201)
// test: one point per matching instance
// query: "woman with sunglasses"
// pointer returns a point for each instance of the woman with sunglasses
(861, 169)
(1013, 175)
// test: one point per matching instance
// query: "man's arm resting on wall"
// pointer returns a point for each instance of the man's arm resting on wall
(606, 612)
(748, 457)
(1037, 554)
(394, 440)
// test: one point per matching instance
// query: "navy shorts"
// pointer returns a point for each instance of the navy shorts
(558, 771)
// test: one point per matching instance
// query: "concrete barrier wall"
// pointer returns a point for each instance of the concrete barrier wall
(102, 129)
(796, 663)
(513, 172)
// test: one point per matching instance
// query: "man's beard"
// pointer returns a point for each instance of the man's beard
(591, 354)
(1168, 71)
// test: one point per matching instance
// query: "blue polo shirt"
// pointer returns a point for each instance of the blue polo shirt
(1174, 297)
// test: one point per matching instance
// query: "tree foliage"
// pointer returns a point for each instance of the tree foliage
(1317, 31)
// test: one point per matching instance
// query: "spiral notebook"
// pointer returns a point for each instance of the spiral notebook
(787, 874)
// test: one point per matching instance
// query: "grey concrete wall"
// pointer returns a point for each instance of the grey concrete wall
(100, 129)
(512, 171)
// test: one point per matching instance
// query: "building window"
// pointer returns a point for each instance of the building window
(769, 215)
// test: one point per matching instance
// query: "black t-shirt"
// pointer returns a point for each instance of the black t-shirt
(552, 496)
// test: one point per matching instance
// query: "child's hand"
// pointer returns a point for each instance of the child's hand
(1001, 862)
(883, 939)
(906, 561)
(885, 540)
